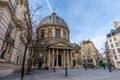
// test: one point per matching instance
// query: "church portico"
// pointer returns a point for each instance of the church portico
(58, 58)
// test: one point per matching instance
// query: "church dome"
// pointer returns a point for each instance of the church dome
(53, 19)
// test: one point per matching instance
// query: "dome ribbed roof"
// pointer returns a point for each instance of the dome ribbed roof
(53, 19)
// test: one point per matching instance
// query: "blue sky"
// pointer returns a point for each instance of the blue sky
(87, 19)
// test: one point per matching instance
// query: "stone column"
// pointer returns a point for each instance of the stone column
(44, 61)
(57, 58)
(53, 60)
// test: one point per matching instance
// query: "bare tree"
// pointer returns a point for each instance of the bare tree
(35, 18)
(31, 36)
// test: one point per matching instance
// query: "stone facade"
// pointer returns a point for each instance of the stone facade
(113, 41)
(90, 54)
(76, 56)
(53, 48)
(14, 26)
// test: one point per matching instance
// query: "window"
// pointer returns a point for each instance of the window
(9, 30)
(108, 35)
(119, 29)
(111, 45)
(115, 56)
(114, 39)
(113, 33)
(118, 49)
(57, 34)
(42, 34)
(110, 40)
(114, 51)
(116, 44)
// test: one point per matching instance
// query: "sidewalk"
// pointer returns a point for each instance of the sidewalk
(73, 74)
(4, 73)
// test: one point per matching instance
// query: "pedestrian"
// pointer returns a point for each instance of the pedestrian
(95, 66)
(103, 66)
(85, 67)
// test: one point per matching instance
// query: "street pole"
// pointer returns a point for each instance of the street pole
(66, 65)
(66, 70)
(54, 69)
(54, 64)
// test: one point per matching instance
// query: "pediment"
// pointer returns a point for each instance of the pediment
(60, 45)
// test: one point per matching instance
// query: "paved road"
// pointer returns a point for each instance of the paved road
(73, 74)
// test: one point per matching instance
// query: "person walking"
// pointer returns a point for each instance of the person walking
(85, 67)
(95, 66)
(103, 66)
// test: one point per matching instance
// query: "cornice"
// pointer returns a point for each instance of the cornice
(54, 25)
(9, 5)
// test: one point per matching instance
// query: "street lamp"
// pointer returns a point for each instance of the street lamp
(66, 65)
(54, 65)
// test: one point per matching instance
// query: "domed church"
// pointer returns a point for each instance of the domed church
(53, 48)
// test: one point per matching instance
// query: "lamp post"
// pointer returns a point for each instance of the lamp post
(66, 65)
(54, 64)
(66, 70)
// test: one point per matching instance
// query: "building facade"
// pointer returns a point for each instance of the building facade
(90, 54)
(53, 45)
(77, 56)
(14, 26)
(113, 42)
